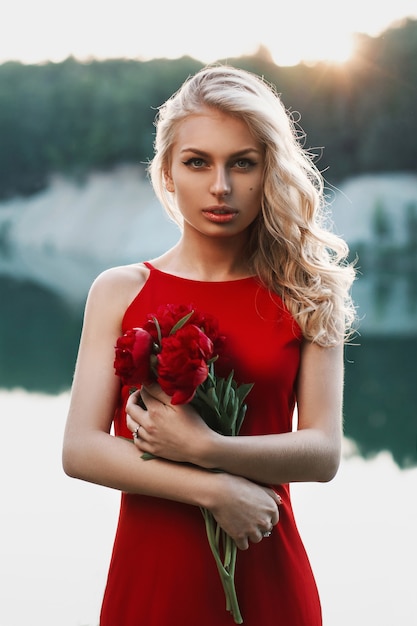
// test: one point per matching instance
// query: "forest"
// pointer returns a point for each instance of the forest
(71, 117)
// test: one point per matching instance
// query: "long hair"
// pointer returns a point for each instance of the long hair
(292, 249)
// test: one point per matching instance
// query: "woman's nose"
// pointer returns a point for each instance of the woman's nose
(221, 182)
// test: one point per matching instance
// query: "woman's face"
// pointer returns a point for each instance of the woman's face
(216, 173)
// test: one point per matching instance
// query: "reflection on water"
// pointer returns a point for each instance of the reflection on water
(387, 303)
(39, 335)
(380, 396)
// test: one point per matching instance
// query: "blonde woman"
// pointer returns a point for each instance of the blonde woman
(255, 253)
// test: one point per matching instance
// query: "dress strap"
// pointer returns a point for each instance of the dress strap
(148, 265)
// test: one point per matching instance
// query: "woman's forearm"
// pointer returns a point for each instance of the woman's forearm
(311, 453)
(301, 456)
(242, 508)
(115, 462)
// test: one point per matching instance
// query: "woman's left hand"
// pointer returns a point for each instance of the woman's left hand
(165, 430)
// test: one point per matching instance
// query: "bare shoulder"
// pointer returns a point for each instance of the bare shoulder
(122, 276)
(117, 287)
(315, 354)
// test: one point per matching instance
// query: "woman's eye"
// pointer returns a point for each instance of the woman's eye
(195, 162)
(243, 164)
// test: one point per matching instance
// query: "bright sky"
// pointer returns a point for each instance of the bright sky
(302, 30)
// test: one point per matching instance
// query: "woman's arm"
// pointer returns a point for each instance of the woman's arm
(91, 453)
(312, 453)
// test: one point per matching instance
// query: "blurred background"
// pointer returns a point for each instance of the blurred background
(79, 89)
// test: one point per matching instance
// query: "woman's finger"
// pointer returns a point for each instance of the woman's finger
(154, 391)
(132, 424)
(135, 414)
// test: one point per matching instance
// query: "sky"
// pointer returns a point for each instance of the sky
(303, 30)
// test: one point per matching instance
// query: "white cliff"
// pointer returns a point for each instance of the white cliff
(63, 236)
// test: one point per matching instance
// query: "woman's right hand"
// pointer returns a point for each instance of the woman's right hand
(244, 509)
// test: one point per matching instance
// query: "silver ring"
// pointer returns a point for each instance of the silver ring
(268, 533)
(136, 433)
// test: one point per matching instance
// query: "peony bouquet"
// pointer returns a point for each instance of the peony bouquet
(177, 347)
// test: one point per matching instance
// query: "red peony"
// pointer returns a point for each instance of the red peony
(183, 363)
(167, 316)
(133, 353)
(174, 348)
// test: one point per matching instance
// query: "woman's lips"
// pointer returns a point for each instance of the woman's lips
(219, 215)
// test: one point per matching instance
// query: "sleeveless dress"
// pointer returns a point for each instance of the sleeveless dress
(162, 572)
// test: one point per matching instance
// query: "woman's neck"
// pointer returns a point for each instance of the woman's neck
(221, 260)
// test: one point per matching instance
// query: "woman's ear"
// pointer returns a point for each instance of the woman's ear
(169, 183)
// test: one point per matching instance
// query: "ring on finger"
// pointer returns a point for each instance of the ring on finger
(268, 533)
(136, 433)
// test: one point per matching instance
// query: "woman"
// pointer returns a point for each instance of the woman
(254, 253)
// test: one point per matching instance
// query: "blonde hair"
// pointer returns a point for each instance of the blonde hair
(292, 251)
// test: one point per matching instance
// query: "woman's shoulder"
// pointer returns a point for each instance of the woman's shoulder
(118, 286)
(122, 275)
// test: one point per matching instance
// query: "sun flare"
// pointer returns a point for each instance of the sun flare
(298, 47)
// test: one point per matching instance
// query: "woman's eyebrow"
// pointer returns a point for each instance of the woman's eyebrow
(242, 152)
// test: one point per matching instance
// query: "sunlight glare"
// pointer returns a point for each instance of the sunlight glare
(297, 46)
(306, 32)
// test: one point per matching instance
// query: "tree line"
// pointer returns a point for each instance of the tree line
(73, 116)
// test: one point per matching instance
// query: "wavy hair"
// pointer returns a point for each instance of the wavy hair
(292, 249)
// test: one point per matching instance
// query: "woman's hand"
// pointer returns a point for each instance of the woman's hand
(245, 510)
(172, 432)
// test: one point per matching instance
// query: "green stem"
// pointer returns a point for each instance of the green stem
(226, 569)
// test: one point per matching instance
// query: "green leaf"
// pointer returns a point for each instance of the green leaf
(205, 397)
(212, 398)
(147, 456)
(158, 329)
(240, 418)
(219, 387)
(243, 391)
(226, 392)
(235, 414)
(210, 415)
(181, 323)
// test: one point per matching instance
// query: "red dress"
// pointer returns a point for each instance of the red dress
(162, 572)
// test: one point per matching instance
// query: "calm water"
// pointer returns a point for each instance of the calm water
(57, 533)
